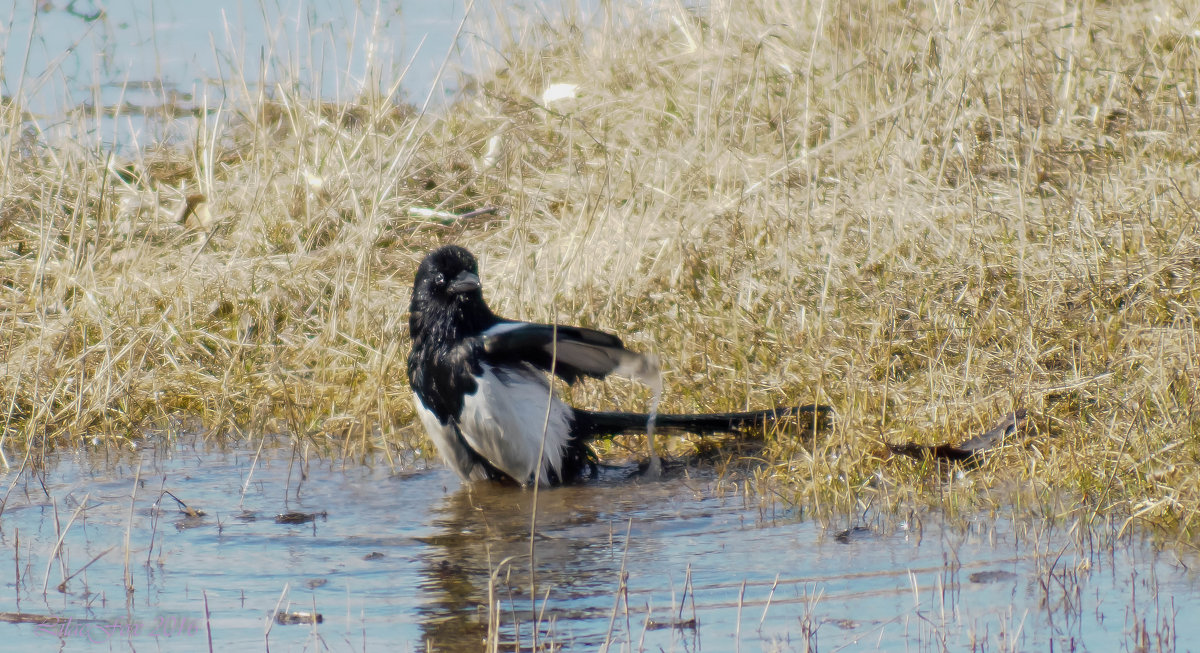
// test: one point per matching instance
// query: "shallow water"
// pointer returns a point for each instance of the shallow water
(141, 72)
(402, 560)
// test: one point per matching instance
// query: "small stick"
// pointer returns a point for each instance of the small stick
(687, 581)
(250, 474)
(646, 626)
(17, 566)
(624, 594)
(271, 619)
(656, 385)
(537, 482)
(493, 640)
(154, 522)
(612, 618)
(62, 587)
(695, 619)
(137, 479)
(207, 620)
(541, 615)
(185, 508)
(54, 553)
(768, 605)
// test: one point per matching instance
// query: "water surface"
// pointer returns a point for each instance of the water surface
(401, 558)
(138, 74)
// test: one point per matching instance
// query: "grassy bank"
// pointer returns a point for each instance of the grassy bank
(923, 214)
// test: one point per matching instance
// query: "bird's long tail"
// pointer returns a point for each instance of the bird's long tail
(589, 424)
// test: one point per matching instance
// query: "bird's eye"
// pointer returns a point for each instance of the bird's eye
(439, 279)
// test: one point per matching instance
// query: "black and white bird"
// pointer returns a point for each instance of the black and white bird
(482, 392)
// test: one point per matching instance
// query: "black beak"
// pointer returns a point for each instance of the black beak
(465, 282)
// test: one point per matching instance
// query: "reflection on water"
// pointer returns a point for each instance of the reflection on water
(406, 559)
(483, 542)
(139, 73)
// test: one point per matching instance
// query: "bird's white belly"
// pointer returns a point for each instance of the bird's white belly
(448, 445)
(506, 418)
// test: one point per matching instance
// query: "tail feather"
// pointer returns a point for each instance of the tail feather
(590, 424)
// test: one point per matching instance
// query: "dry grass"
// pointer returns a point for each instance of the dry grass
(923, 214)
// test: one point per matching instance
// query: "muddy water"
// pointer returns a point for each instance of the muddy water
(403, 559)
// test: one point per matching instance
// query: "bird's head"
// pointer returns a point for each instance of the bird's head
(447, 287)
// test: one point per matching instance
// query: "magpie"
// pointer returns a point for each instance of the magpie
(481, 387)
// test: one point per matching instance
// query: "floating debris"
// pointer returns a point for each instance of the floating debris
(183, 507)
(31, 618)
(678, 624)
(991, 576)
(299, 517)
(854, 534)
(297, 618)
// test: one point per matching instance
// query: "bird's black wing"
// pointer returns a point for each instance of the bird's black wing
(570, 352)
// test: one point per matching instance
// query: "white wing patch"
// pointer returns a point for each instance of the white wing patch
(504, 327)
(505, 419)
(592, 357)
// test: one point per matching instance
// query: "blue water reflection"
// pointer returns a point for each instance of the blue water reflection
(404, 558)
(124, 60)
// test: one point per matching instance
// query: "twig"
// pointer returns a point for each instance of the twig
(54, 553)
(207, 620)
(62, 587)
(493, 641)
(612, 618)
(250, 474)
(137, 479)
(271, 619)
(537, 482)
(154, 522)
(766, 607)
